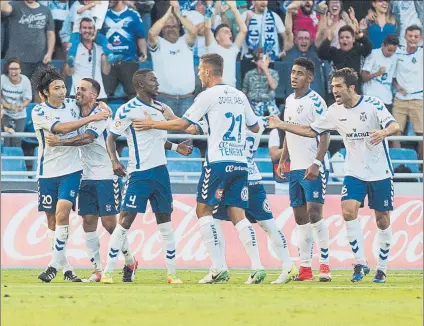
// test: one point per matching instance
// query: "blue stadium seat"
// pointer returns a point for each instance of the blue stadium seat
(13, 165)
(343, 152)
(264, 167)
(404, 154)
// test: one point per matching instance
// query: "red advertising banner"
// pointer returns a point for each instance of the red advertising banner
(25, 242)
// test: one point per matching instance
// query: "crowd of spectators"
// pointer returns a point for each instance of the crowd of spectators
(109, 40)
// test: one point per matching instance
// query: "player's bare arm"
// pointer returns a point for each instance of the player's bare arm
(312, 172)
(173, 125)
(80, 140)
(182, 148)
(65, 127)
(283, 158)
(301, 130)
(117, 166)
(377, 136)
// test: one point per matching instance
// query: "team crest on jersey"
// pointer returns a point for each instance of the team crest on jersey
(72, 193)
(218, 194)
(108, 208)
(118, 124)
(363, 117)
(266, 206)
(299, 109)
(244, 194)
(315, 194)
(414, 60)
(386, 203)
(73, 112)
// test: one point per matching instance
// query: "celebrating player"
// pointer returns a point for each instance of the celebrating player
(100, 193)
(59, 168)
(148, 176)
(308, 175)
(224, 177)
(368, 167)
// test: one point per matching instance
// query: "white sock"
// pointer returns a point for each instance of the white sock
(168, 245)
(278, 242)
(221, 241)
(305, 244)
(126, 251)
(356, 240)
(384, 241)
(116, 241)
(50, 236)
(247, 237)
(93, 249)
(322, 238)
(207, 229)
(59, 250)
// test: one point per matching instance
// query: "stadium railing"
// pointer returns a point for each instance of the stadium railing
(192, 177)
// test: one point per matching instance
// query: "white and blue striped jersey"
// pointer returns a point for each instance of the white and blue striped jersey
(146, 148)
(228, 113)
(95, 159)
(59, 160)
(409, 73)
(253, 140)
(364, 160)
(303, 111)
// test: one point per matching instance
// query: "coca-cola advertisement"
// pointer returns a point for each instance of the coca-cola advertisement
(25, 242)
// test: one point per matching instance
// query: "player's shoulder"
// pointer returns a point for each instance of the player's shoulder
(40, 109)
(401, 50)
(372, 102)
(161, 106)
(69, 102)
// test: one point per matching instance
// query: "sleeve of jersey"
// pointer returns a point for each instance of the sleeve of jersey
(156, 47)
(97, 127)
(198, 110)
(384, 116)
(41, 121)
(319, 107)
(121, 122)
(368, 63)
(251, 117)
(139, 28)
(323, 124)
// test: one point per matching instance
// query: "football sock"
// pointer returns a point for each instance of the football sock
(221, 241)
(247, 237)
(59, 250)
(305, 244)
(322, 238)
(384, 241)
(207, 229)
(356, 240)
(116, 241)
(168, 245)
(93, 249)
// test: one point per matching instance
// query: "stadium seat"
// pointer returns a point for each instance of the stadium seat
(404, 154)
(13, 165)
(264, 167)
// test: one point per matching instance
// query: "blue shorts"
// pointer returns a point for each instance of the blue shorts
(380, 193)
(224, 182)
(99, 197)
(258, 210)
(51, 190)
(151, 185)
(306, 191)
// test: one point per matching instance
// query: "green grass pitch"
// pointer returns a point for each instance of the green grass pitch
(149, 301)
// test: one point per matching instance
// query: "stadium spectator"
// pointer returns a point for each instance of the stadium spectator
(16, 94)
(408, 82)
(304, 17)
(172, 58)
(31, 33)
(300, 44)
(125, 32)
(227, 15)
(379, 22)
(360, 7)
(59, 10)
(144, 8)
(336, 19)
(90, 61)
(407, 13)
(354, 46)
(379, 70)
(259, 85)
(221, 42)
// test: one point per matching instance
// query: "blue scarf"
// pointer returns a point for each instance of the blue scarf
(256, 35)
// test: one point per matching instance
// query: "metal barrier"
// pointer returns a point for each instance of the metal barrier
(187, 175)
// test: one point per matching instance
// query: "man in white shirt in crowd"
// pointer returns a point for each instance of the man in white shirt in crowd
(90, 60)
(379, 70)
(99, 193)
(221, 41)
(59, 168)
(408, 82)
(368, 168)
(172, 58)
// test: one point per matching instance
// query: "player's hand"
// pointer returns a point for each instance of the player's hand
(143, 124)
(104, 107)
(377, 136)
(312, 172)
(193, 130)
(176, 6)
(52, 140)
(273, 121)
(102, 115)
(280, 169)
(184, 148)
(402, 91)
(118, 169)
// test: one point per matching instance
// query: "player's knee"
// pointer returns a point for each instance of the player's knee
(383, 220)
(126, 219)
(163, 218)
(349, 213)
(62, 217)
(203, 210)
(109, 228)
(314, 214)
(89, 223)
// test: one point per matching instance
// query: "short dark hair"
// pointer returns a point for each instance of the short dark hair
(214, 60)
(139, 75)
(346, 28)
(349, 75)
(43, 76)
(94, 84)
(9, 62)
(86, 20)
(218, 28)
(391, 39)
(303, 30)
(413, 28)
(305, 63)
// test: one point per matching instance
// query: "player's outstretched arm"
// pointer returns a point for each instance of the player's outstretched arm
(377, 136)
(80, 140)
(117, 166)
(183, 148)
(301, 130)
(65, 127)
(313, 171)
(174, 125)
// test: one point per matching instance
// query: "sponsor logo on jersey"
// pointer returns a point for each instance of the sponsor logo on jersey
(363, 117)
(315, 194)
(266, 206)
(232, 168)
(355, 135)
(118, 124)
(300, 109)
